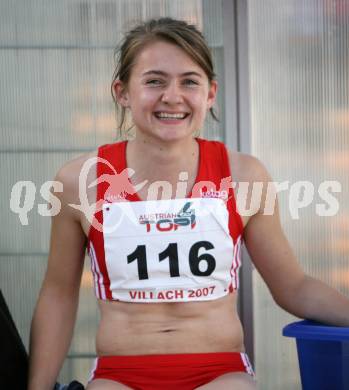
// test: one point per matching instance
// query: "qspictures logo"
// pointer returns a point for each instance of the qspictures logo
(117, 187)
(165, 222)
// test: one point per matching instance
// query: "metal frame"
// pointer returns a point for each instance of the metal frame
(231, 136)
(237, 135)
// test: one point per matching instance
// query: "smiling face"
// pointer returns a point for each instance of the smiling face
(168, 93)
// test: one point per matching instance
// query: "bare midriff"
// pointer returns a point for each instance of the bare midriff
(169, 328)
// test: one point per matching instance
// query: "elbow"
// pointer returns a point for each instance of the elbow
(291, 298)
(291, 307)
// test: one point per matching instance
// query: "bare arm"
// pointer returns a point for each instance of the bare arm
(55, 313)
(296, 292)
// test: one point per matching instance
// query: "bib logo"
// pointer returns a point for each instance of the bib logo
(165, 222)
(214, 194)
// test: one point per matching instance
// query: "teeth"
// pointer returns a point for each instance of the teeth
(171, 116)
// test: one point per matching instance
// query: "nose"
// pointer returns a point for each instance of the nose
(172, 94)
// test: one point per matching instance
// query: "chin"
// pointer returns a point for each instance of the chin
(169, 133)
(172, 136)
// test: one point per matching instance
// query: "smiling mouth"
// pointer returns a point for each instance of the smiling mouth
(167, 116)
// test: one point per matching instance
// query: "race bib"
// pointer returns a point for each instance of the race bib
(175, 250)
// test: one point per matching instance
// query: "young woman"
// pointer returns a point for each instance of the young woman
(165, 238)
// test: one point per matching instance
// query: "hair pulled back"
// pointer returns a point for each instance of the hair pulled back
(178, 32)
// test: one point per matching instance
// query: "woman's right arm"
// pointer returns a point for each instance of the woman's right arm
(55, 313)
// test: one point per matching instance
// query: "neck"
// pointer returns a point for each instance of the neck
(153, 160)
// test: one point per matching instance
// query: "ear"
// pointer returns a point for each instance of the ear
(212, 93)
(120, 93)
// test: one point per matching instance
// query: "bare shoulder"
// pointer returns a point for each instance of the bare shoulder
(252, 184)
(68, 177)
(247, 168)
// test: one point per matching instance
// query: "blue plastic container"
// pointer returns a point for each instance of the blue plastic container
(323, 355)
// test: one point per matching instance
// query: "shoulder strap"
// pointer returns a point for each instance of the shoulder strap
(111, 161)
(216, 168)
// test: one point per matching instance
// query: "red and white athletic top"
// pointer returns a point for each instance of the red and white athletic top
(177, 250)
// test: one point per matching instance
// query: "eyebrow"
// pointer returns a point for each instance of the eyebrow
(162, 73)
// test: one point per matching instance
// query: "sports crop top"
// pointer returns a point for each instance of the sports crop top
(176, 250)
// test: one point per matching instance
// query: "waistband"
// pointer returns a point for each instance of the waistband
(233, 361)
(167, 360)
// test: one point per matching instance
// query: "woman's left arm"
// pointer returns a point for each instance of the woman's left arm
(293, 290)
